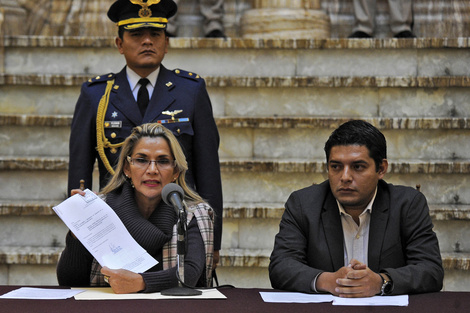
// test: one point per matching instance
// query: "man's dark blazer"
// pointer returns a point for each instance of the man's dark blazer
(174, 90)
(401, 240)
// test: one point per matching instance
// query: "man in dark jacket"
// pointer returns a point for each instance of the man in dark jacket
(354, 235)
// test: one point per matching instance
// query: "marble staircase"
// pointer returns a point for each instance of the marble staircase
(275, 103)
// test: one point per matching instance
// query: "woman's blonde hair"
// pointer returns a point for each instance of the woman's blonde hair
(153, 130)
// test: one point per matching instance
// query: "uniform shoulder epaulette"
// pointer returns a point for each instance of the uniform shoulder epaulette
(186, 74)
(101, 78)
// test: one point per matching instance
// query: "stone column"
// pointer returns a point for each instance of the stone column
(285, 19)
(13, 18)
(68, 18)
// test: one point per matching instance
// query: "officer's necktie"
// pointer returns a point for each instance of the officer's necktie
(143, 96)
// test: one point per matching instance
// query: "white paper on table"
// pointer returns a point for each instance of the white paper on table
(372, 301)
(108, 294)
(102, 233)
(295, 297)
(41, 293)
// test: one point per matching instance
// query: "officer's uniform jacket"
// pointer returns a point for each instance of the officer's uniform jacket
(194, 126)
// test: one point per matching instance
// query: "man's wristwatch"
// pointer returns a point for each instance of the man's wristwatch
(387, 285)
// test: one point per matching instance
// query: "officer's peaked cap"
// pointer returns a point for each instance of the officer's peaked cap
(133, 14)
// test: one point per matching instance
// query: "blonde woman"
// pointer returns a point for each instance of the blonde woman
(151, 157)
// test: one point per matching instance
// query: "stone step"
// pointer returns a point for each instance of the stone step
(438, 212)
(28, 208)
(30, 255)
(239, 57)
(12, 163)
(228, 257)
(233, 96)
(32, 230)
(273, 81)
(287, 144)
(260, 258)
(249, 233)
(38, 99)
(443, 182)
(269, 122)
(247, 187)
(100, 42)
(241, 187)
(262, 138)
(246, 225)
(240, 267)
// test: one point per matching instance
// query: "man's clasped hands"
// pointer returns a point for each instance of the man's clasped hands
(352, 281)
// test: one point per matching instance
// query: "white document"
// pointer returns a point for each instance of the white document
(298, 297)
(108, 294)
(295, 297)
(101, 231)
(41, 293)
(372, 301)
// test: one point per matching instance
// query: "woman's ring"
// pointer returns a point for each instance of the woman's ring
(106, 279)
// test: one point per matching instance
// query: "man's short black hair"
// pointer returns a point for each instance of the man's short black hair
(121, 31)
(360, 133)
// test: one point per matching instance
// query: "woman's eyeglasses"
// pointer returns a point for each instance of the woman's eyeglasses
(143, 163)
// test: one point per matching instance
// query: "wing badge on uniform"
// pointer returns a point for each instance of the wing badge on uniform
(172, 113)
(173, 119)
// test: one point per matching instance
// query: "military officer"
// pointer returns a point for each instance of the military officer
(109, 106)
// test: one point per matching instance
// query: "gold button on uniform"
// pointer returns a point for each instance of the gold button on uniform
(178, 130)
(113, 135)
(113, 150)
